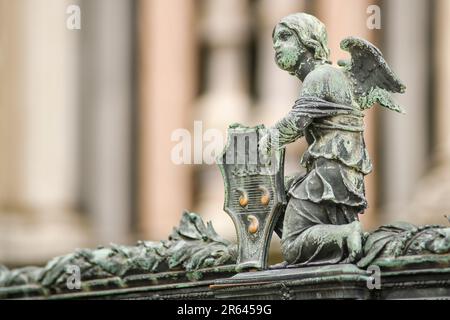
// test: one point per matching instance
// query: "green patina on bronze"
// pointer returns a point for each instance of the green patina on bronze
(320, 223)
(254, 193)
(316, 214)
(192, 250)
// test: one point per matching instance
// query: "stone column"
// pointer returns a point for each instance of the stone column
(431, 193)
(224, 30)
(11, 77)
(166, 74)
(39, 81)
(277, 90)
(343, 19)
(403, 146)
(107, 107)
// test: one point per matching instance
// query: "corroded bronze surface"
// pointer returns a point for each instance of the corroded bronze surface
(326, 251)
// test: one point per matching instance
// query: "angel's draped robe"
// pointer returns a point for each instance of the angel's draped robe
(332, 191)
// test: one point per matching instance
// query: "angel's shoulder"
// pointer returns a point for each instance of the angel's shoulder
(325, 73)
(327, 82)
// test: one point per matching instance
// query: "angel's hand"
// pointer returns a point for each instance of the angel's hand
(264, 145)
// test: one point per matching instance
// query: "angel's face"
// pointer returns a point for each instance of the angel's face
(288, 49)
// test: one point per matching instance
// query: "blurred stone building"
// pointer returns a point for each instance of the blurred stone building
(87, 116)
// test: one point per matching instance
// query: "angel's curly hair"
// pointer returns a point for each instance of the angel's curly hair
(311, 33)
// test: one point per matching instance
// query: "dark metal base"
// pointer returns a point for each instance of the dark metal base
(413, 277)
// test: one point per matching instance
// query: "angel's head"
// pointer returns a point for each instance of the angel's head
(297, 39)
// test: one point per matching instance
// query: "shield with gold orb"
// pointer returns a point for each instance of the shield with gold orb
(254, 192)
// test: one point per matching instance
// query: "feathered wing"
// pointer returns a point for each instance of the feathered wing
(374, 81)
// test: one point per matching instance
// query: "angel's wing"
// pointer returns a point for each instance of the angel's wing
(373, 78)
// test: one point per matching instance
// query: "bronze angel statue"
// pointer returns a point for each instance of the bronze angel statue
(320, 223)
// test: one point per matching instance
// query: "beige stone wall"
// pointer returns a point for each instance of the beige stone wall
(39, 108)
(86, 116)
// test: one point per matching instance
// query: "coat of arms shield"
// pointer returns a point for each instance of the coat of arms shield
(254, 192)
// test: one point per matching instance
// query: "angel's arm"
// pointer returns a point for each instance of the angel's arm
(292, 126)
(289, 129)
(285, 131)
